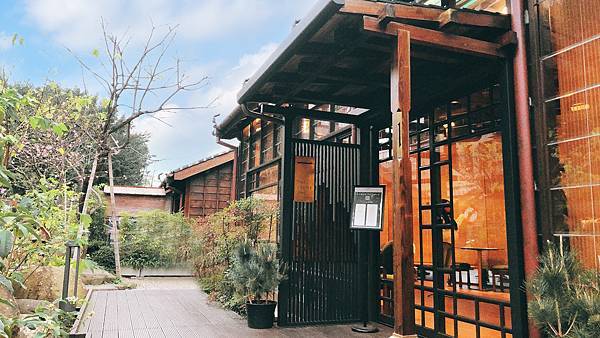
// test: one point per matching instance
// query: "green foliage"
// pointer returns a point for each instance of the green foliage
(48, 320)
(219, 236)
(221, 289)
(7, 240)
(255, 272)
(103, 255)
(565, 297)
(56, 133)
(155, 239)
(35, 224)
(225, 230)
(99, 248)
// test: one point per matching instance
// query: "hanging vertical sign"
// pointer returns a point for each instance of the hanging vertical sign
(304, 179)
(367, 208)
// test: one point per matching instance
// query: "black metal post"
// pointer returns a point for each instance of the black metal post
(64, 303)
(287, 217)
(364, 238)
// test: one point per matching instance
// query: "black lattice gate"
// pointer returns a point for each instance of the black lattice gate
(323, 267)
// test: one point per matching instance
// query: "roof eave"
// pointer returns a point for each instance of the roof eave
(312, 22)
(226, 130)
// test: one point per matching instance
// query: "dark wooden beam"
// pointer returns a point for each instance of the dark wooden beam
(400, 11)
(508, 39)
(343, 75)
(404, 279)
(316, 49)
(346, 41)
(386, 15)
(433, 38)
(312, 114)
(486, 20)
(367, 100)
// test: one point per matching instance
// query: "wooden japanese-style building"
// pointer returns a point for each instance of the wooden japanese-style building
(447, 104)
(203, 188)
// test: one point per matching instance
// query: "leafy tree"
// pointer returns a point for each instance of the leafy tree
(34, 225)
(42, 153)
(135, 85)
(54, 136)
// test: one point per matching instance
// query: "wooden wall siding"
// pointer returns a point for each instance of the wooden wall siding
(132, 204)
(209, 192)
(570, 68)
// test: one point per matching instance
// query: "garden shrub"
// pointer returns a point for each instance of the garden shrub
(99, 247)
(155, 239)
(219, 235)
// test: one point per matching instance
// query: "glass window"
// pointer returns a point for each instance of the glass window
(267, 142)
(385, 144)
(302, 129)
(278, 132)
(570, 66)
(321, 129)
(269, 175)
(255, 151)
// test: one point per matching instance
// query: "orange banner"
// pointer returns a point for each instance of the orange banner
(304, 179)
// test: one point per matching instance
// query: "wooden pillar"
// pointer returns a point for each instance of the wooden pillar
(404, 299)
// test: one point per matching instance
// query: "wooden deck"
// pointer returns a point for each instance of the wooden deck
(186, 312)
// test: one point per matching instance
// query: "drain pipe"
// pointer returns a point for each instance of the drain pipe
(233, 194)
(260, 115)
(527, 185)
(216, 134)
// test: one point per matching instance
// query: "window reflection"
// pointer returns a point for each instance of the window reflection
(570, 50)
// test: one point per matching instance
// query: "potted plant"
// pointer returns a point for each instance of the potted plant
(255, 274)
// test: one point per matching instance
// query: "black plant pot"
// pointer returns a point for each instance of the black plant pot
(261, 315)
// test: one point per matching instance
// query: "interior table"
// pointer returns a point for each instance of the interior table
(480, 251)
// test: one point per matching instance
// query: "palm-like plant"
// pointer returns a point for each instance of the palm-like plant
(255, 271)
(565, 297)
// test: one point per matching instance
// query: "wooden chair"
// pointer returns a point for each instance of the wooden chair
(423, 269)
(500, 271)
(460, 266)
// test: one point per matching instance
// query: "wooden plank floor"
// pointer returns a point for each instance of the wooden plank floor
(186, 312)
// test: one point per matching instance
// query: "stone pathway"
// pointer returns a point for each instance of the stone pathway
(175, 307)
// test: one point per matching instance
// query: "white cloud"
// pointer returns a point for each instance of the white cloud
(76, 23)
(227, 87)
(188, 135)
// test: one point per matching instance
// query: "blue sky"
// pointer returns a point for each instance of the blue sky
(226, 40)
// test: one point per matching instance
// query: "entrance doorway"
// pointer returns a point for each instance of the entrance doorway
(322, 284)
(460, 219)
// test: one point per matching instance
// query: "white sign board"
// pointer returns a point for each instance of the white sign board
(367, 208)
